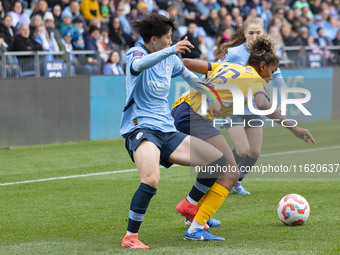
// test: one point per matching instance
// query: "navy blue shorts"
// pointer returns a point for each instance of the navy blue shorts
(191, 123)
(166, 142)
(238, 120)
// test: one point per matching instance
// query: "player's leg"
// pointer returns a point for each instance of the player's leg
(146, 157)
(254, 135)
(196, 152)
(206, 208)
(199, 153)
(239, 138)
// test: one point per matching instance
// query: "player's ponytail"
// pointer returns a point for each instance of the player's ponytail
(237, 38)
(262, 49)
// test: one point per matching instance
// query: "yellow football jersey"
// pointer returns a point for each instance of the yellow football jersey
(223, 74)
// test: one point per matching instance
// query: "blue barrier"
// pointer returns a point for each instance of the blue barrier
(320, 84)
(108, 95)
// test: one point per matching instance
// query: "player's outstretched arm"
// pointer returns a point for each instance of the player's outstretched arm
(195, 82)
(152, 59)
(195, 65)
(262, 103)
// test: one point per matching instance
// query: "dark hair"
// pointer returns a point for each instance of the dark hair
(154, 25)
(15, 2)
(262, 49)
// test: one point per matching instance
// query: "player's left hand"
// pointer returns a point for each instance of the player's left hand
(183, 46)
(214, 109)
(303, 134)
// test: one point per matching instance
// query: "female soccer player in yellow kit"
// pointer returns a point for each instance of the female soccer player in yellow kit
(261, 65)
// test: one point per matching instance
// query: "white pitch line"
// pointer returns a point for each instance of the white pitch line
(135, 169)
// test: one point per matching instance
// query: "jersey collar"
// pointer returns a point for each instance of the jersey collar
(143, 46)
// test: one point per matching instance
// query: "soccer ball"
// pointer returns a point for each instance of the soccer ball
(293, 210)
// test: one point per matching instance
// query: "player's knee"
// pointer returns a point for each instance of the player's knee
(242, 151)
(152, 180)
(255, 154)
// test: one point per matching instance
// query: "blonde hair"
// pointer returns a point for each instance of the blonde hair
(238, 37)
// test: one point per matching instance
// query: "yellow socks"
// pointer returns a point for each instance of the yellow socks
(210, 203)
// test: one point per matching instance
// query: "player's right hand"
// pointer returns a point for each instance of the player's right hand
(303, 134)
(214, 109)
(183, 46)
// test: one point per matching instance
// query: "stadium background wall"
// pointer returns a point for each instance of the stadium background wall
(55, 110)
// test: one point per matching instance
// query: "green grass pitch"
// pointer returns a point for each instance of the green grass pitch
(88, 215)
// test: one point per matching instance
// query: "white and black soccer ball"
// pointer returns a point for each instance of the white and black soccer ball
(293, 210)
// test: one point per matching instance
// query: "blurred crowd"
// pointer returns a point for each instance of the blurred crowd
(105, 26)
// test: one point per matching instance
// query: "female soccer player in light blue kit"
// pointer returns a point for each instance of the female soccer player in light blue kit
(247, 139)
(147, 125)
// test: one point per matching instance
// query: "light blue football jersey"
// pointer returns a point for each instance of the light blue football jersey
(240, 55)
(147, 93)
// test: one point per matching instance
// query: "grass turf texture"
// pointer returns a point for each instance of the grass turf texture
(89, 215)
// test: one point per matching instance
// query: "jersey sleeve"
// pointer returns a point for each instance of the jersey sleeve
(132, 56)
(212, 65)
(178, 67)
(259, 87)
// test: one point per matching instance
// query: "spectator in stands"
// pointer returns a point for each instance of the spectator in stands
(105, 10)
(95, 22)
(320, 39)
(228, 23)
(87, 66)
(266, 14)
(142, 10)
(79, 24)
(18, 15)
(255, 4)
(36, 21)
(61, 3)
(91, 38)
(12, 68)
(275, 35)
(336, 41)
(316, 7)
(124, 21)
(303, 37)
(105, 41)
(224, 36)
(301, 4)
(50, 26)
(304, 19)
(23, 42)
(313, 27)
(48, 43)
(117, 34)
(291, 19)
(222, 13)
(203, 7)
(192, 14)
(331, 27)
(56, 10)
(243, 8)
(235, 12)
(90, 9)
(74, 8)
(212, 24)
(112, 67)
(253, 13)
(195, 52)
(7, 5)
(238, 22)
(8, 31)
(66, 23)
(133, 15)
(287, 37)
(41, 8)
